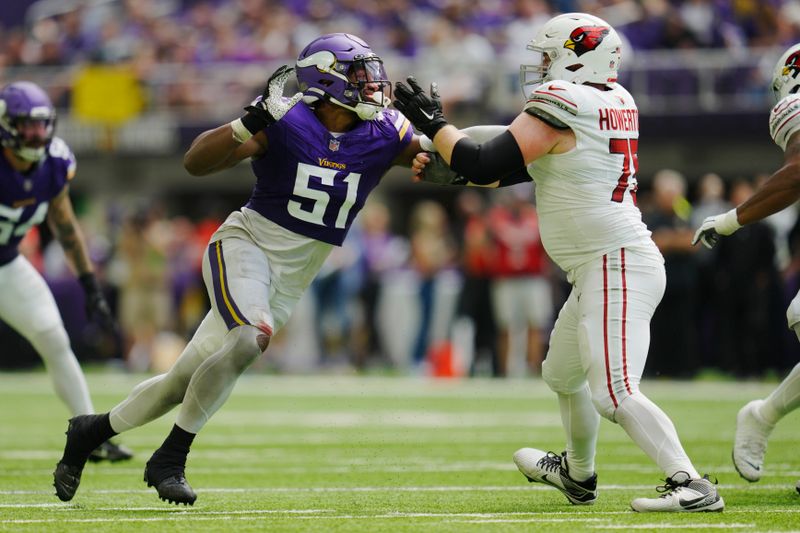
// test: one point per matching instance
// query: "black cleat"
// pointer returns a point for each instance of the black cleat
(111, 452)
(173, 489)
(66, 479)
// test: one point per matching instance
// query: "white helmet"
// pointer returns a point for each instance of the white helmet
(785, 76)
(581, 48)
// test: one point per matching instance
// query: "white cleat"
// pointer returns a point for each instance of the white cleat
(684, 495)
(750, 441)
(552, 469)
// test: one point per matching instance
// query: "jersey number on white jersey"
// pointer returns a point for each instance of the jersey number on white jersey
(9, 227)
(629, 150)
(321, 198)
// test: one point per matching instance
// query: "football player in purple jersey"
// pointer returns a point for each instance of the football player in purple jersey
(315, 156)
(35, 170)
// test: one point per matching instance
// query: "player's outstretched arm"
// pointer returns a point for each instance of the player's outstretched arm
(215, 150)
(64, 225)
(227, 145)
(527, 139)
(781, 190)
(778, 192)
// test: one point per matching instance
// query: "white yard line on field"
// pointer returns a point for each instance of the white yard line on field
(682, 525)
(459, 488)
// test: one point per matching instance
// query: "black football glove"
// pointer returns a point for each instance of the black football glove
(97, 308)
(424, 111)
(439, 173)
(271, 107)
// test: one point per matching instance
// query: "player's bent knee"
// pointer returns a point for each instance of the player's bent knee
(604, 405)
(246, 346)
(50, 341)
(263, 342)
(558, 382)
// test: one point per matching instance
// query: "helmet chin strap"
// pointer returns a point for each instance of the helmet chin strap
(366, 111)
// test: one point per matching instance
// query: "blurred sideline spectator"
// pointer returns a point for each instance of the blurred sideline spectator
(668, 219)
(751, 316)
(145, 306)
(521, 292)
(432, 253)
(382, 254)
(475, 332)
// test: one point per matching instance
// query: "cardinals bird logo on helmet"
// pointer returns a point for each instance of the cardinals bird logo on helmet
(791, 67)
(785, 79)
(586, 39)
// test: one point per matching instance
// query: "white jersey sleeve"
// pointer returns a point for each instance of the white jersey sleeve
(553, 103)
(784, 120)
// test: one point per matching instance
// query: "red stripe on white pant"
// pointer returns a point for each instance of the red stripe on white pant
(624, 339)
(605, 330)
(624, 322)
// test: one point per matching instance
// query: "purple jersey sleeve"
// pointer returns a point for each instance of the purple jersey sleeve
(313, 182)
(25, 198)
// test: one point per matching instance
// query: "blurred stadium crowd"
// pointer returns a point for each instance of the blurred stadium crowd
(65, 32)
(460, 287)
(190, 55)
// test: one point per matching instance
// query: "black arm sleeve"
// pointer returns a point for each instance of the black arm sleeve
(518, 176)
(486, 163)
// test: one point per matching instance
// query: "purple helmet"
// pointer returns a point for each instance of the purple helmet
(27, 120)
(343, 69)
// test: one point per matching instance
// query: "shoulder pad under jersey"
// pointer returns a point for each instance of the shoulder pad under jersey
(784, 119)
(555, 102)
(59, 151)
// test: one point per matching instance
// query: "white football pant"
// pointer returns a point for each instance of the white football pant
(28, 306)
(598, 349)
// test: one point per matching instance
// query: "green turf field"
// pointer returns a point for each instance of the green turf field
(349, 454)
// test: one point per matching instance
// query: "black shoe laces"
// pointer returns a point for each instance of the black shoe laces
(551, 462)
(670, 485)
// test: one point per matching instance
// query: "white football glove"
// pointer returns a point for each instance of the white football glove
(267, 109)
(712, 227)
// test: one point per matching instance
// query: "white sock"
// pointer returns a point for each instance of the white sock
(62, 365)
(783, 400)
(581, 421)
(653, 431)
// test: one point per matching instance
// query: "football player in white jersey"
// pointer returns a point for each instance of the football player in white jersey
(316, 157)
(577, 138)
(35, 171)
(755, 420)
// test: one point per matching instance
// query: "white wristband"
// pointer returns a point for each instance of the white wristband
(727, 223)
(240, 133)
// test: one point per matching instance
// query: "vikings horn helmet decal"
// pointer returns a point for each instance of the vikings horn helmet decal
(343, 69)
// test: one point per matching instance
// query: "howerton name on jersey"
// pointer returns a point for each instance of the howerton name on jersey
(619, 119)
(323, 162)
